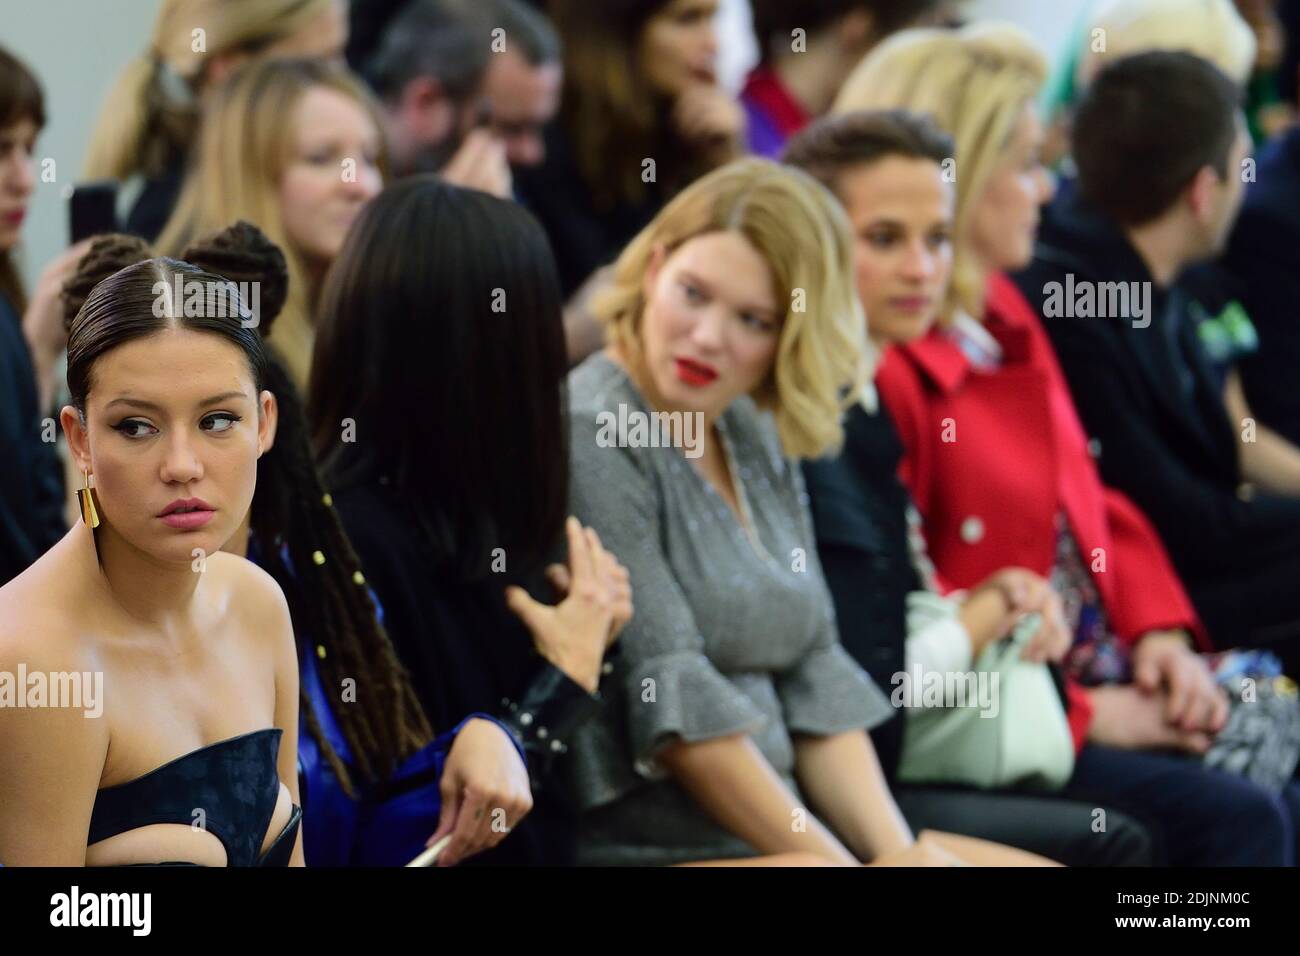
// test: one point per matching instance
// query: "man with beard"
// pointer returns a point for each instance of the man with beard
(465, 88)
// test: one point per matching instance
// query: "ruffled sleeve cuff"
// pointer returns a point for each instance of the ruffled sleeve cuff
(828, 693)
(680, 695)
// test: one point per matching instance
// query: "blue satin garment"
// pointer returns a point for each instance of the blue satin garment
(389, 824)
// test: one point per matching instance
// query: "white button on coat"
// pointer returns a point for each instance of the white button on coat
(972, 530)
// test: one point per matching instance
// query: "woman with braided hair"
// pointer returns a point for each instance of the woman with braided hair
(437, 414)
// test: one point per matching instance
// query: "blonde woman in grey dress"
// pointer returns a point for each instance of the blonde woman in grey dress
(734, 725)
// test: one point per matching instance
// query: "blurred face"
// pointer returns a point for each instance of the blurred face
(524, 98)
(17, 179)
(1004, 217)
(321, 193)
(901, 211)
(174, 428)
(711, 324)
(678, 46)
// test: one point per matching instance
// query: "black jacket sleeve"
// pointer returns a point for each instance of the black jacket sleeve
(1264, 261)
(463, 648)
(1205, 523)
(31, 478)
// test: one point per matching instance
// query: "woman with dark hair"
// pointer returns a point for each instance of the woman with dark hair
(193, 757)
(642, 117)
(370, 769)
(436, 410)
(31, 337)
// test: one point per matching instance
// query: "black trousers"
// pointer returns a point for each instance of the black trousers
(1064, 830)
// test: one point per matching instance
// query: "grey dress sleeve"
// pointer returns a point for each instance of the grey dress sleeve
(672, 690)
(826, 692)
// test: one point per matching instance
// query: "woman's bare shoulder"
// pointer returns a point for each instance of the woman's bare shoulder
(253, 595)
(54, 736)
(243, 584)
(42, 618)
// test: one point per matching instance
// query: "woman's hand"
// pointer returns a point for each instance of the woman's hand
(1053, 638)
(1025, 592)
(574, 634)
(711, 119)
(1163, 660)
(1128, 718)
(485, 791)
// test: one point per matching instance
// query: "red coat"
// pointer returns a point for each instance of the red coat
(991, 458)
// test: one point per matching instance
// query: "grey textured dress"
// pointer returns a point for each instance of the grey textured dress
(730, 635)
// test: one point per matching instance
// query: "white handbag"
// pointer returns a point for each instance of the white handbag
(1022, 740)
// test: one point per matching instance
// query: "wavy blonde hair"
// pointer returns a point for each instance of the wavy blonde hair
(976, 82)
(244, 146)
(823, 359)
(152, 110)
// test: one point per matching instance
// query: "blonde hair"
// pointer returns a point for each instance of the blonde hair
(1212, 29)
(823, 359)
(244, 146)
(976, 82)
(152, 110)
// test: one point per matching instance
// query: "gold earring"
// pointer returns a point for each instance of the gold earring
(86, 498)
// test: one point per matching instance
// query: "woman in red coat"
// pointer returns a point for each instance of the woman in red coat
(995, 456)
(999, 466)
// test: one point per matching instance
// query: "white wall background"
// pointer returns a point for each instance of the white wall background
(76, 48)
(1050, 21)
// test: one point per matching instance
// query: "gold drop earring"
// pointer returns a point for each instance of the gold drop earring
(86, 498)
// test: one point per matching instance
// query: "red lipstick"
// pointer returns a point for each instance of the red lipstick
(695, 373)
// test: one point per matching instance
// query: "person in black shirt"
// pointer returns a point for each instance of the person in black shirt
(641, 116)
(1263, 258)
(31, 481)
(1160, 144)
(436, 407)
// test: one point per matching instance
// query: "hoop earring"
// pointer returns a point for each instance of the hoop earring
(86, 498)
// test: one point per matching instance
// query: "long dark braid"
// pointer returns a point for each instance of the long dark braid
(327, 593)
(301, 541)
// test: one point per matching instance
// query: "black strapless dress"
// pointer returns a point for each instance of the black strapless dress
(234, 782)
